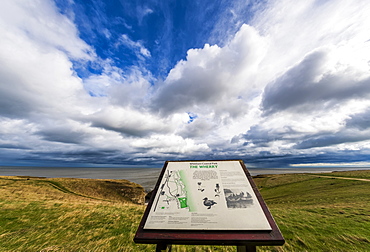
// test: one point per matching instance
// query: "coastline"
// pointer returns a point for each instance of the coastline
(146, 177)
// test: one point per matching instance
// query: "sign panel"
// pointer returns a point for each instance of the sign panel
(205, 195)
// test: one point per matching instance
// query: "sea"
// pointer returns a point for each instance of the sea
(146, 177)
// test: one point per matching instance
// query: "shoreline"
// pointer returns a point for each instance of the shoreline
(146, 177)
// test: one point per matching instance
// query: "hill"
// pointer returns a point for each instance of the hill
(320, 212)
(315, 212)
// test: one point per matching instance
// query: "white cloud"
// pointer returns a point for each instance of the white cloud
(168, 144)
(131, 87)
(212, 76)
(316, 70)
(141, 12)
(39, 21)
(296, 79)
(135, 46)
(35, 80)
(36, 75)
(128, 121)
(296, 28)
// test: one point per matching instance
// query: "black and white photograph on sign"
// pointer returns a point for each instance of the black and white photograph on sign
(200, 195)
(237, 198)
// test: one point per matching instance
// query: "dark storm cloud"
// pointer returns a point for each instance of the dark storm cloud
(125, 130)
(264, 137)
(86, 156)
(14, 146)
(197, 89)
(63, 136)
(332, 139)
(309, 86)
(356, 130)
(15, 100)
(197, 128)
(330, 157)
(360, 121)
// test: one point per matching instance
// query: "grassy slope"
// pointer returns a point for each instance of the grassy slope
(319, 214)
(314, 214)
(68, 214)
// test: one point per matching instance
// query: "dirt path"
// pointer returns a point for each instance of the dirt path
(359, 179)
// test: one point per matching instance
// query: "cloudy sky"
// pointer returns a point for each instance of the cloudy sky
(123, 82)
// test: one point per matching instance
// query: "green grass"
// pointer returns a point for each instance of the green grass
(319, 214)
(313, 213)
(363, 174)
(46, 215)
(63, 227)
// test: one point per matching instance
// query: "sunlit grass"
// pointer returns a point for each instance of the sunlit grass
(51, 215)
(319, 214)
(84, 227)
(365, 174)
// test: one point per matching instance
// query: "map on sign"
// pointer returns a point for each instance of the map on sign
(206, 196)
(172, 192)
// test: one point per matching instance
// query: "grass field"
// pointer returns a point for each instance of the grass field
(315, 212)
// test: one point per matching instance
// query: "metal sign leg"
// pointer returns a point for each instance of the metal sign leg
(246, 249)
(162, 247)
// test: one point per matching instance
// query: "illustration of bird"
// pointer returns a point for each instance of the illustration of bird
(200, 187)
(217, 190)
(208, 203)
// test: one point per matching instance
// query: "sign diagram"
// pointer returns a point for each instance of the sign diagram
(172, 193)
(213, 195)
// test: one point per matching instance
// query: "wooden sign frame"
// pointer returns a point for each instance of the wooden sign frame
(246, 238)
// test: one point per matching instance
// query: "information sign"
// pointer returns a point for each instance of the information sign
(207, 203)
(206, 195)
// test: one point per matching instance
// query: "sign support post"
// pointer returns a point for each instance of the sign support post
(162, 247)
(207, 203)
(246, 249)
